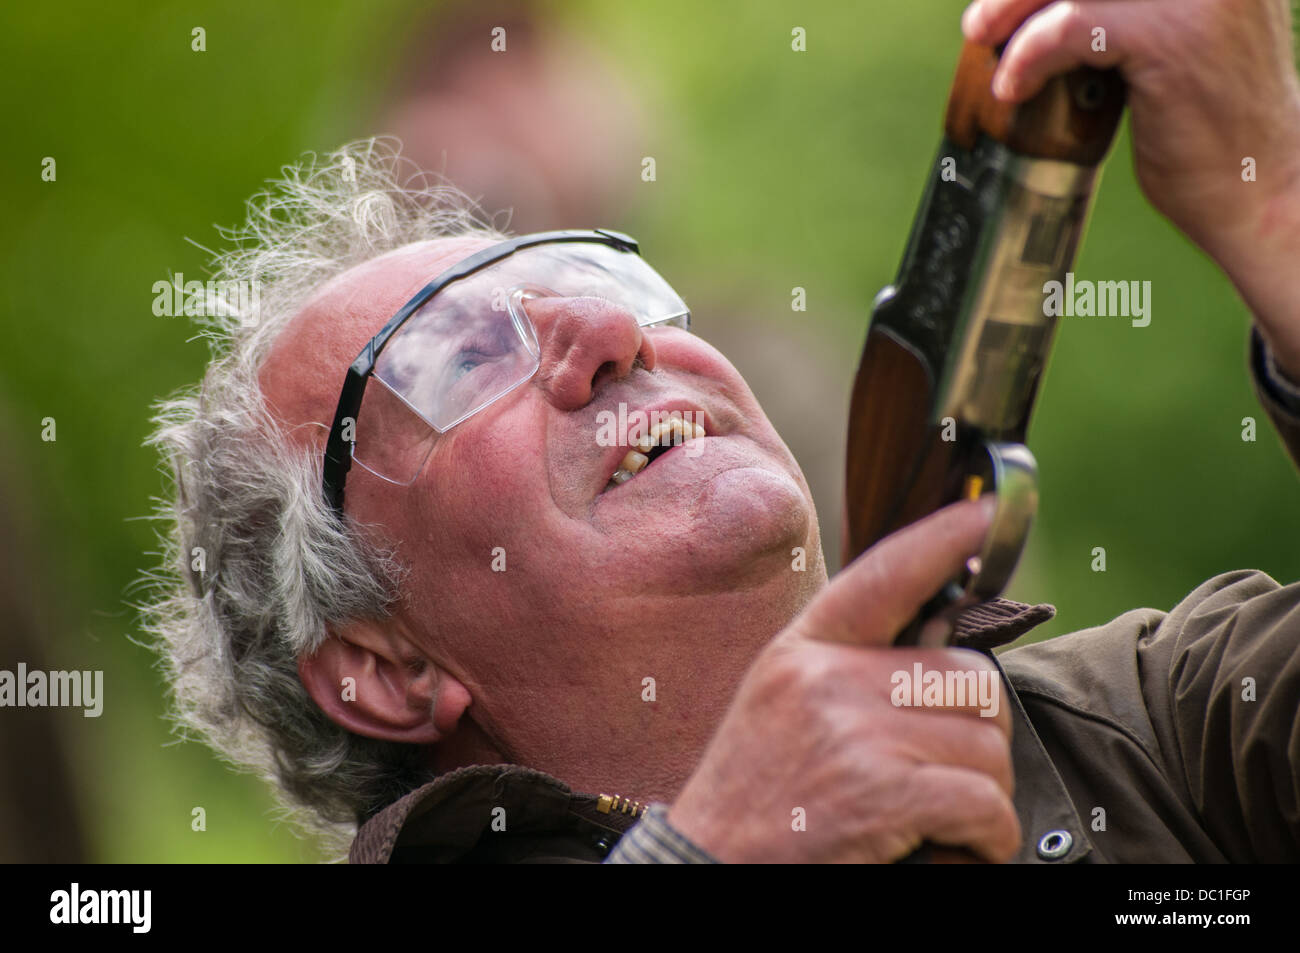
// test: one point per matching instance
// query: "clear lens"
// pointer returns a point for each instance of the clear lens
(392, 441)
(473, 342)
(456, 355)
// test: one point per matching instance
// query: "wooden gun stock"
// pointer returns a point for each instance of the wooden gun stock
(957, 345)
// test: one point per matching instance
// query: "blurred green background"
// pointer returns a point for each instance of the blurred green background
(775, 169)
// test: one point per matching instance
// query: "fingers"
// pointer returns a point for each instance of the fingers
(1053, 41)
(960, 808)
(942, 684)
(871, 600)
(1057, 37)
(992, 21)
(978, 744)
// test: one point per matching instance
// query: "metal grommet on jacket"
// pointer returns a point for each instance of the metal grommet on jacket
(1054, 845)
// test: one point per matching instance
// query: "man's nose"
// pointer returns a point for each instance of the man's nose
(584, 343)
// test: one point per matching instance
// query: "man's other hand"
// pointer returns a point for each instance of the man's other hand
(1215, 108)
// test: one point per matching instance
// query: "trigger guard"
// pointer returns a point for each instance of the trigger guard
(1014, 476)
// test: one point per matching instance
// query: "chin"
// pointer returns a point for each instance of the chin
(750, 519)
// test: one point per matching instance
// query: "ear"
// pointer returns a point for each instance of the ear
(370, 679)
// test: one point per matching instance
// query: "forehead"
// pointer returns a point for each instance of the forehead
(304, 370)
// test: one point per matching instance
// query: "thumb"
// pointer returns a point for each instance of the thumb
(871, 600)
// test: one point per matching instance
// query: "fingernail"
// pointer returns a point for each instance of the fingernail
(1003, 87)
(970, 20)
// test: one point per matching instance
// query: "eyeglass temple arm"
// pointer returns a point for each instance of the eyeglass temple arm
(338, 450)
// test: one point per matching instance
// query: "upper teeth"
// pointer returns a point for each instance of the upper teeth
(672, 431)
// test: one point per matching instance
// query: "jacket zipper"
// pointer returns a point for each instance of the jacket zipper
(609, 803)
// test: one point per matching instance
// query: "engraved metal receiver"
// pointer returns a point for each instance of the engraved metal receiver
(957, 345)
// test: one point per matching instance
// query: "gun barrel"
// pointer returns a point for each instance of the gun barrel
(957, 346)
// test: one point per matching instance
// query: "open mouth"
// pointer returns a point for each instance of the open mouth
(662, 437)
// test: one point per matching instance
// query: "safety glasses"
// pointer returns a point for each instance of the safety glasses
(466, 340)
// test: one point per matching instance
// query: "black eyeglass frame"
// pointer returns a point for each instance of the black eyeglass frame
(338, 451)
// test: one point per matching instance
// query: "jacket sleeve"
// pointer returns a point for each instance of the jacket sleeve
(1279, 395)
(1185, 724)
(1225, 672)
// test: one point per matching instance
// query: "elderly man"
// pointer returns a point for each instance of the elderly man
(427, 593)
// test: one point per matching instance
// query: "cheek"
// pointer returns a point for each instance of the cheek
(682, 351)
(480, 488)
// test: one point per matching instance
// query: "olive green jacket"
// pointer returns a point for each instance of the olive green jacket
(1160, 737)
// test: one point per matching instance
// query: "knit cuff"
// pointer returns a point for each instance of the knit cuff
(654, 841)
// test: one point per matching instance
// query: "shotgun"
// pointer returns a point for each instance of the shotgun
(957, 345)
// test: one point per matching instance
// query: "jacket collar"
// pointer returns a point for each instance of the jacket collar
(442, 821)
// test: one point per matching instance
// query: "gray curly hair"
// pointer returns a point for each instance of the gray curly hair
(255, 565)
